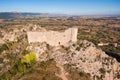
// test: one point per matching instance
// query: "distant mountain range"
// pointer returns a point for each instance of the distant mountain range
(10, 15)
(14, 15)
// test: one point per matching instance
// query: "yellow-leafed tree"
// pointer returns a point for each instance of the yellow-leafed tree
(29, 59)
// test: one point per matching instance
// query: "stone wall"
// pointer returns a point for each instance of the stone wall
(53, 38)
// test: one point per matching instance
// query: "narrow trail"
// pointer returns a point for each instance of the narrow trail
(62, 72)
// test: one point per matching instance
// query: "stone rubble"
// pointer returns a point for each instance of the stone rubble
(87, 59)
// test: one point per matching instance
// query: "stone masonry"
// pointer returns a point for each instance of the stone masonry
(53, 38)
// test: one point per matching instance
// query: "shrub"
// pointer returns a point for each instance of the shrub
(25, 52)
(102, 70)
(48, 46)
(29, 59)
(78, 48)
(3, 47)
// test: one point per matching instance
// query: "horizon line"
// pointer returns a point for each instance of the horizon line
(77, 14)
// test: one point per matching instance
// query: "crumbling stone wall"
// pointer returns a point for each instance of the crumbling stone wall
(53, 38)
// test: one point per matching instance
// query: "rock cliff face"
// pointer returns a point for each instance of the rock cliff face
(83, 56)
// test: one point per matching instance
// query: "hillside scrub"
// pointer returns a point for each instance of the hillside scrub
(20, 67)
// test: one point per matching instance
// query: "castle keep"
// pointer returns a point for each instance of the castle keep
(53, 38)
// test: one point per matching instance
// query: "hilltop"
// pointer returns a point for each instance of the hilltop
(41, 61)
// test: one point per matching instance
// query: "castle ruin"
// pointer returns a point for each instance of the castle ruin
(53, 38)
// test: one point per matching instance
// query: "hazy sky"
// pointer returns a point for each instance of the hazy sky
(79, 7)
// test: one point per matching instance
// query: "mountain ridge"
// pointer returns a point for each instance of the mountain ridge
(9, 15)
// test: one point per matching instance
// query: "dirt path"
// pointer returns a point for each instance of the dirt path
(62, 72)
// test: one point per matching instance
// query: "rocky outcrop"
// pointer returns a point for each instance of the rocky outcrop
(83, 56)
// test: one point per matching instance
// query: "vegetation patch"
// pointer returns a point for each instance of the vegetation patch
(3, 47)
(20, 67)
